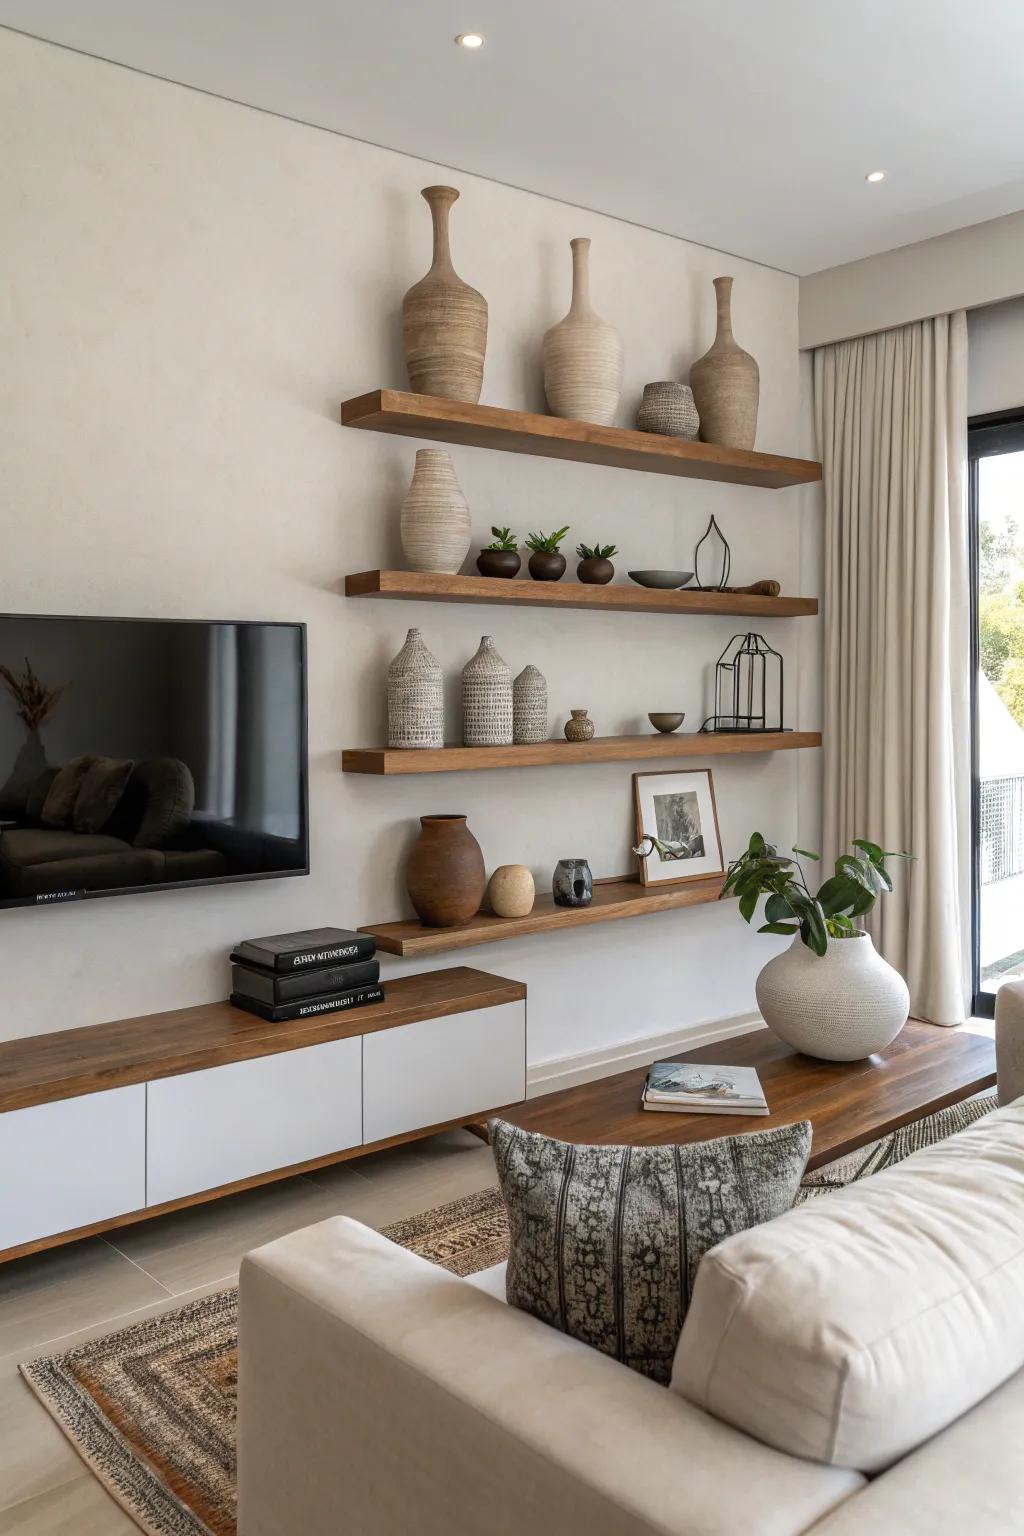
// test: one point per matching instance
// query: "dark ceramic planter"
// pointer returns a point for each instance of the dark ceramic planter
(545, 567)
(572, 884)
(595, 572)
(498, 562)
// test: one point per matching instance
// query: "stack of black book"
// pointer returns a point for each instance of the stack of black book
(296, 975)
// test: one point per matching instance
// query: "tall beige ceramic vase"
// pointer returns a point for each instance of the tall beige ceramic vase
(435, 515)
(444, 320)
(583, 354)
(726, 383)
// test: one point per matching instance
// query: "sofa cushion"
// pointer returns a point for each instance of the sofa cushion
(102, 786)
(38, 793)
(63, 792)
(970, 1478)
(605, 1241)
(855, 1327)
(25, 846)
(170, 800)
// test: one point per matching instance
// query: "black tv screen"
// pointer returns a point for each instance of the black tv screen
(143, 754)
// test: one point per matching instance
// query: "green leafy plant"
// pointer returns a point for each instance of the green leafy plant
(859, 880)
(546, 543)
(503, 539)
(596, 551)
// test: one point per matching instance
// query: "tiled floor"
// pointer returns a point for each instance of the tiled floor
(49, 1301)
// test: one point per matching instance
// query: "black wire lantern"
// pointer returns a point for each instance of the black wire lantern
(743, 675)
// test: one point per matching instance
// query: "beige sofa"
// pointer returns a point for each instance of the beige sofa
(382, 1396)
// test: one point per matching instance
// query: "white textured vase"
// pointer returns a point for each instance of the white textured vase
(435, 515)
(486, 699)
(415, 697)
(530, 706)
(840, 1006)
(583, 354)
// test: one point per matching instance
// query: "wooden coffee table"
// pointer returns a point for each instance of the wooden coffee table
(847, 1103)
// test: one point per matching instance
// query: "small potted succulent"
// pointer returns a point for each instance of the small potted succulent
(501, 556)
(595, 567)
(830, 994)
(546, 563)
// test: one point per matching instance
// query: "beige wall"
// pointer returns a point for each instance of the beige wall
(963, 270)
(995, 360)
(189, 289)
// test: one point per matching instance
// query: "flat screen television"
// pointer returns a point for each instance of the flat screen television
(149, 754)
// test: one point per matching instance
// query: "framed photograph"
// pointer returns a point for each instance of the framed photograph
(677, 827)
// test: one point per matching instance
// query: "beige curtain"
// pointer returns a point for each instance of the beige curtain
(891, 414)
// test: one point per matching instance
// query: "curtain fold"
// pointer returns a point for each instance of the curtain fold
(891, 415)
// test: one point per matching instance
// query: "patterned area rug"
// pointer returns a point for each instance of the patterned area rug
(151, 1408)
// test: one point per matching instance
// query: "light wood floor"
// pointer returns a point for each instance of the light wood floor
(51, 1301)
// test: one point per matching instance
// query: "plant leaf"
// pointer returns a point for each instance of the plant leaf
(805, 853)
(779, 928)
(777, 909)
(748, 902)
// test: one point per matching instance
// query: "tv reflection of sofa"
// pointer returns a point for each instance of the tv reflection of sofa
(97, 824)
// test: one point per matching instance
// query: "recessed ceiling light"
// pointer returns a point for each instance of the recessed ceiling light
(875, 176)
(470, 40)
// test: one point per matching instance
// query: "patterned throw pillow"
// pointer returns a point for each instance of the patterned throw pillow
(605, 1241)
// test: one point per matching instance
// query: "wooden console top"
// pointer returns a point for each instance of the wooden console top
(69, 1062)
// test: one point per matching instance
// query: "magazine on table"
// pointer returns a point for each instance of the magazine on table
(703, 1089)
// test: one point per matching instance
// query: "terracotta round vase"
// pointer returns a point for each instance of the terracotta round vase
(726, 383)
(583, 354)
(445, 874)
(436, 531)
(511, 891)
(444, 320)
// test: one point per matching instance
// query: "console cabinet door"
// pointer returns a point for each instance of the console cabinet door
(71, 1163)
(234, 1122)
(422, 1074)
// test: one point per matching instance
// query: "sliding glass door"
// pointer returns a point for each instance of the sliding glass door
(996, 448)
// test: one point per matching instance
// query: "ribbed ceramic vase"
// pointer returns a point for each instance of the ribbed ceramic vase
(668, 409)
(530, 706)
(726, 382)
(444, 320)
(583, 354)
(445, 875)
(840, 1006)
(415, 696)
(435, 515)
(486, 699)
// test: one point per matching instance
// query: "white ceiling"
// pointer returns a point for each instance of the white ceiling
(747, 125)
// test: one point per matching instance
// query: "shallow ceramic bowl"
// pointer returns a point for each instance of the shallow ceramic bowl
(663, 579)
(666, 723)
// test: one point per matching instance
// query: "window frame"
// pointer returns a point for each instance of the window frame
(994, 433)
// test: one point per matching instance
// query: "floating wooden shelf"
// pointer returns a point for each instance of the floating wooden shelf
(603, 749)
(430, 586)
(553, 437)
(613, 899)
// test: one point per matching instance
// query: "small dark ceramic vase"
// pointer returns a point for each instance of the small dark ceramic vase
(572, 884)
(445, 874)
(498, 562)
(579, 727)
(545, 567)
(595, 572)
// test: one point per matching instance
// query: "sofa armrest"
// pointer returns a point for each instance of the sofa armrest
(379, 1394)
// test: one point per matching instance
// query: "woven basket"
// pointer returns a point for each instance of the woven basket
(530, 706)
(486, 699)
(415, 697)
